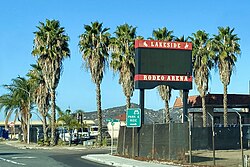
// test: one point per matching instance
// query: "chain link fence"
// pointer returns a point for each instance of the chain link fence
(156, 141)
(171, 142)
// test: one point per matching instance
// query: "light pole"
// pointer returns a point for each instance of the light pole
(241, 139)
(212, 119)
(190, 138)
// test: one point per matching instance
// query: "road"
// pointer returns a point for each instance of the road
(15, 157)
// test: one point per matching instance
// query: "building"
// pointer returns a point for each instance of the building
(237, 104)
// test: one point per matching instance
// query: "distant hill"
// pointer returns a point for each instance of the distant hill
(150, 115)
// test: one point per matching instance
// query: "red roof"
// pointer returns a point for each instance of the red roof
(121, 117)
(216, 100)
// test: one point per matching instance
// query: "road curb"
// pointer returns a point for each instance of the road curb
(98, 159)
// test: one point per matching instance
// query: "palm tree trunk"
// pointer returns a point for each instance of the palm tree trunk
(45, 138)
(204, 112)
(167, 111)
(53, 118)
(99, 113)
(24, 127)
(225, 105)
(128, 102)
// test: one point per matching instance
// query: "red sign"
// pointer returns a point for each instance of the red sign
(169, 78)
(163, 44)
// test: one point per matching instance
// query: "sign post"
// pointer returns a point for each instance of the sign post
(133, 119)
(112, 121)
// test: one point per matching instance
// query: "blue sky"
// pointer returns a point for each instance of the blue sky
(19, 19)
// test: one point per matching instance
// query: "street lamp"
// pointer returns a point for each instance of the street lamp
(212, 119)
(241, 139)
(190, 138)
(28, 114)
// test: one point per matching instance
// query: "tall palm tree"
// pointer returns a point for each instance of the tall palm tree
(18, 101)
(164, 90)
(181, 39)
(227, 48)
(94, 44)
(202, 64)
(51, 47)
(41, 96)
(123, 58)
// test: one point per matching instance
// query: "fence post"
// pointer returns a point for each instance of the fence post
(124, 137)
(133, 142)
(169, 141)
(153, 142)
(246, 160)
(190, 139)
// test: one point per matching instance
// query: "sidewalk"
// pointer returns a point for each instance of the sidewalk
(20, 145)
(123, 162)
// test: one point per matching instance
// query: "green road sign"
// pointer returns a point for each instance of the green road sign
(112, 121)
(133, 117)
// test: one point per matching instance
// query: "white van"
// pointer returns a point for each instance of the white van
(93, 130)
(84, 133)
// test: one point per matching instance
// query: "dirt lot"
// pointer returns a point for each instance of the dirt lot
(227, 158)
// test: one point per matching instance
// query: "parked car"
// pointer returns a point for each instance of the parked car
(77, 135)
(83, 133)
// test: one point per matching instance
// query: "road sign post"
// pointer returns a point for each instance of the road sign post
(112, 121)
(133, 120)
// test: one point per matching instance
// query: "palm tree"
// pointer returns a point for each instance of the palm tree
(9, 105)
(181, 39)
(19, 101)
(51, 47)
(94, 44)
(202, 64)
(41, 96)
(123, 58)
(164, 90)
(68, 119)
(227, 48)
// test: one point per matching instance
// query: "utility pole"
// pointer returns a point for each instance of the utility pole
(212, 119)
(241, 139)
(249, 87)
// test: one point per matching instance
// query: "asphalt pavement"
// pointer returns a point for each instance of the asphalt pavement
(107, 159)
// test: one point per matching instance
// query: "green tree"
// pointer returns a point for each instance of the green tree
(123, 58)
(94, 44)
(181, 39)
(202, 64)
(227, 48)
(10, 106)
(18, 101)
(164, 90)
(68, 119)
(41, 96)
(51, 47)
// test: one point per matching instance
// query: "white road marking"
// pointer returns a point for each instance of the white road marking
(13, 162)
(23, 157)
